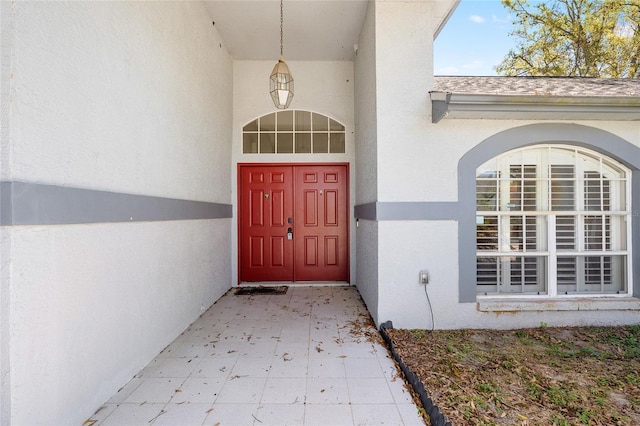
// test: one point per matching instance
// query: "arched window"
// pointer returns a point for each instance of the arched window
(293, 132)
(552, 220)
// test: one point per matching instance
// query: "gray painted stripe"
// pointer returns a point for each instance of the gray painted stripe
(407, 211)
(6, 218)
(37, 204)
(365, 211)
(417, 211)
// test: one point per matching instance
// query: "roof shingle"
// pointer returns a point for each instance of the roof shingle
(539, 86)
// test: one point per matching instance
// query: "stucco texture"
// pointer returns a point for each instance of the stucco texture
(127, 97)
(120, 96)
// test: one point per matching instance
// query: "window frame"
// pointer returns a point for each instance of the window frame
(304, 132)
(605, 142)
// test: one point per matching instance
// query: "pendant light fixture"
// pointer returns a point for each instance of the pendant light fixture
(281, 80)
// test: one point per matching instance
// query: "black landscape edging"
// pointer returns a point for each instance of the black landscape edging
(436, 417)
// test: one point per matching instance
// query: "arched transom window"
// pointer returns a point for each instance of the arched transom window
(552, 220)
(293, 132)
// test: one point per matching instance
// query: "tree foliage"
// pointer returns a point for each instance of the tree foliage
(586, 38)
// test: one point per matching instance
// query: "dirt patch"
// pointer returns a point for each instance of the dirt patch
(542, 376)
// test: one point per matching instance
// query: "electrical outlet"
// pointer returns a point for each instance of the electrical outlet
(424, 277)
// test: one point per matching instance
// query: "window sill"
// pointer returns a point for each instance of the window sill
(569, 304)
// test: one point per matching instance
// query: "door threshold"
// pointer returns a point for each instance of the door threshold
(295, 284)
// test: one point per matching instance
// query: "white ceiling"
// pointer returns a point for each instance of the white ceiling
(314, 30)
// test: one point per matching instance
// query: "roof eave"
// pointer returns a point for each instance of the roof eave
(445, 19)
(533, 107)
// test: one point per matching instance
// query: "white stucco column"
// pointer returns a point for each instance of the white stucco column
(404, 72)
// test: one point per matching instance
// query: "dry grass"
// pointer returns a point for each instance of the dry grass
(542, 376)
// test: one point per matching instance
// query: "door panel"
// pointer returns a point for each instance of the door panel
(322, 237)
(332, 251)
(331, 207)
(310, 251)
(266, 202)
(256, 251)
(278, 252)
(313, 202)
(310, 215)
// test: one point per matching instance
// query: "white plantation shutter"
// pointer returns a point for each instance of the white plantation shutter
(556, 204)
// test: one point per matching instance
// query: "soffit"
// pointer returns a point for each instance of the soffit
(314, 30)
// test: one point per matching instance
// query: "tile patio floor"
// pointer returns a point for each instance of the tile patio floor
(302, 358)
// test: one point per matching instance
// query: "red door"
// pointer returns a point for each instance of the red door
(266, 200)
(293, 223)
(321, 247)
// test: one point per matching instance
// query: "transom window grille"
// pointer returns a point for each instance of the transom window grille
(293, 132)
(552, 220)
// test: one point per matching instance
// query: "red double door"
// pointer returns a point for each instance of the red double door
(293, 222)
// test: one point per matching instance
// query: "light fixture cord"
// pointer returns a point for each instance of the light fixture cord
(281, 25)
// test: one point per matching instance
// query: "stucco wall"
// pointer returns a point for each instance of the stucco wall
(132, 98)
(394, 70)
(6, 48)
(365, 111)
(410, 247)
(115, 95)
(366, 159)
(5, 360)
(6, 51)
(323, 87)
(407, 246)
(404, 73)
(91, 305)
